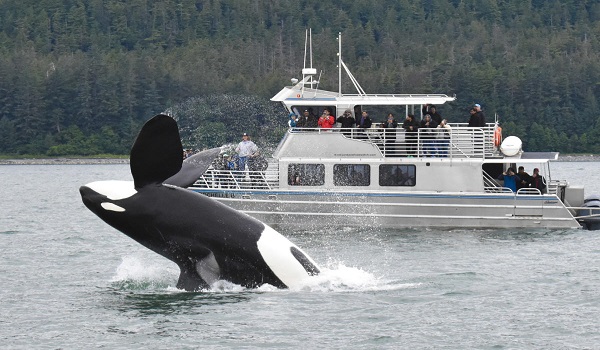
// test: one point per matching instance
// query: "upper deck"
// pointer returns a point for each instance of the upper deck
(459, 141)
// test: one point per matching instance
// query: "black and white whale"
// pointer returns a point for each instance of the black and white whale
(206, 239)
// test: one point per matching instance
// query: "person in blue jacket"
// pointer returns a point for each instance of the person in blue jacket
(293, 122)
(510, 179)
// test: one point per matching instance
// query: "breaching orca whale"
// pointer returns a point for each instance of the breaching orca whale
(207, 240)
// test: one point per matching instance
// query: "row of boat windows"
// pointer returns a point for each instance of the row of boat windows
(351, 175)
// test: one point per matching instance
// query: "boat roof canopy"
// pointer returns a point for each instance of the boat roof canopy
(293, 95)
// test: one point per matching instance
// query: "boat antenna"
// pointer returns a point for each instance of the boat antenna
(308, 51)
(318, 81)
(311, 56)
(341, 64)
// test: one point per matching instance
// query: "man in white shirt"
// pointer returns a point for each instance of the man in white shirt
(245, 149)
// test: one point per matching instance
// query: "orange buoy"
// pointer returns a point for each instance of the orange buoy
(498, 136)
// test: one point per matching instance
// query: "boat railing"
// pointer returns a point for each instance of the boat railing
(528, 191)
(556, 187)
(489, 183)
(457, 142)
(237, 179)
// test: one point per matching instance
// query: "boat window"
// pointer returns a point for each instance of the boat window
(397, 175)
(306, 174)
(315, 110)
(351, 175)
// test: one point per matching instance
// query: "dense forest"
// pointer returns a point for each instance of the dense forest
(79, 77)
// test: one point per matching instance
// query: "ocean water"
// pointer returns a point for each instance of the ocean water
(69, 281)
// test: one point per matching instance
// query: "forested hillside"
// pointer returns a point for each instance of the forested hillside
(80, 76)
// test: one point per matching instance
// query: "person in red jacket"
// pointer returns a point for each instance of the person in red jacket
(326, 121)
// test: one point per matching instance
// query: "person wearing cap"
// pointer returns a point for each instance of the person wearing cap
(479, 116)
(293, 122)
(245, 149)
(307, 120)
(510, 179)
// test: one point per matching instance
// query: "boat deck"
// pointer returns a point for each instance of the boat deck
(460, 141)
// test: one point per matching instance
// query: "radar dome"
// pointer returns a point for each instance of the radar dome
(511, 146)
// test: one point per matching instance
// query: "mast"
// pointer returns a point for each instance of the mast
(340, 64)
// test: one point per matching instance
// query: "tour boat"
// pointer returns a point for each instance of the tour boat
(382, 177)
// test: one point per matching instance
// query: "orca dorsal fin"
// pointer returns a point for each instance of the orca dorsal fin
(157, 153)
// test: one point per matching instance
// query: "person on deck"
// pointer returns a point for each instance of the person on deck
(479, 116)
(428, 136)
(410, 127)
(537, 181)
(346, 120)
(524, 178)
(245, 149)
(432, 111)
(389, 134)
(510, 179)
(443, 138)
(307, 120)
(364, 122)
(293, 122)
(326, 121)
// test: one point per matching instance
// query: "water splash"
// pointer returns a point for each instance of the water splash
(135, 273)
(139, 274)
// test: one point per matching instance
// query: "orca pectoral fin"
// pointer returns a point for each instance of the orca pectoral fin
(193, 167)
(308, 265)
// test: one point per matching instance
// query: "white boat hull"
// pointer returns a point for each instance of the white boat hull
(397, 210)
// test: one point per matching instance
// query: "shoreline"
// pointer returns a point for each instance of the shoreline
(63, 161)
(92, 161)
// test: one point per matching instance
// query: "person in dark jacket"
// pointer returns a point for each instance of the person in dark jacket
(537, 181)
(410, 126)
(307, 120)
(473, 122)
(524, 178)
(364, 122)
(389, 134)
(480, 117)
(346, 121)
(432, 111)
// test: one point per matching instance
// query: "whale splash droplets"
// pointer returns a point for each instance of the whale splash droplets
(144, 274)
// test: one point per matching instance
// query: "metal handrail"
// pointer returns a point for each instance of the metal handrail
(461, 142)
